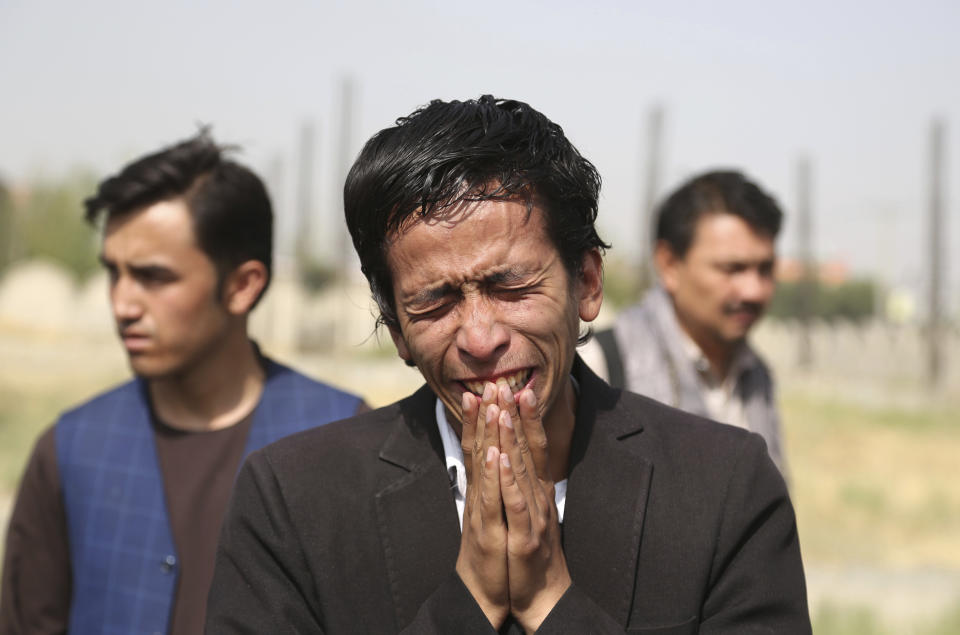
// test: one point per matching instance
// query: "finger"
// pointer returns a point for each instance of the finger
(521, 473)
(523, 458)
(491, 503)
(490, 413)
(515, 503)
(469, 411)
(505, 399)
(477, 451)
(531, 433)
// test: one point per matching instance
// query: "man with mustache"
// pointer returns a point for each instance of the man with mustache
(515, 491)
(116, 522)
(686, 344)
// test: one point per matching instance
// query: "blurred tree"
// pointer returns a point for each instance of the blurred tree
(314, 274)
(623, 282)
(6, 228)
(854, 300)
(49, 223)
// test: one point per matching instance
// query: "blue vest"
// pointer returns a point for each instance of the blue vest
(122, 555)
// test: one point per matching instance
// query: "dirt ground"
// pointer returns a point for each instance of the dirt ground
(874, 483)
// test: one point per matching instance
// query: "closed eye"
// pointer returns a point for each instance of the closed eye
(430, 313)
(514, 293)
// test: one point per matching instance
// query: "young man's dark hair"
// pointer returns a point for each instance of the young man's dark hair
(474, 150)
(135, 481)
(727, 192)
(232, 215)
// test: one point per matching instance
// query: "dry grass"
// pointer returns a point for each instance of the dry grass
(875, 487)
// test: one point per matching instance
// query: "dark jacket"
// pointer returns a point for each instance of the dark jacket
(673, 524)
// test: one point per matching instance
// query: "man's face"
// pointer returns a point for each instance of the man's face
(723, 283)
(483, 294)
(163, 290)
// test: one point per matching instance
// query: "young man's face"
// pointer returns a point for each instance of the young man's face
(483, 294)
(722, 285)
(163, 289)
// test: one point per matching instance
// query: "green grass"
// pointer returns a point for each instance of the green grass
(861, 620)
(830, 412)
(874, 485)
(22, 419)
(25, 412)
(846, 620)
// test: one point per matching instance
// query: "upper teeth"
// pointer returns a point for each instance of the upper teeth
(516, 381)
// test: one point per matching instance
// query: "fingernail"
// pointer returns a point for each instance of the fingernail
(488, 392)
(505, 393)
(506, 419)
(529, 398)
(505, 460)
(491, 453)
(491, 414)
(465, 401)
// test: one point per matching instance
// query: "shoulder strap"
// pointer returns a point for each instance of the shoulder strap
(611, 351)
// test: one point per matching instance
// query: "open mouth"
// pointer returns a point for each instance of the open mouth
(516, 380)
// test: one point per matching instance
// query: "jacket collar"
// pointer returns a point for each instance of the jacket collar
(606, 495)
(606, 499)
(416, 513)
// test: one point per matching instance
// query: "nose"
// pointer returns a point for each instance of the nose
(756, 287)
(481, 335)
(125, 301)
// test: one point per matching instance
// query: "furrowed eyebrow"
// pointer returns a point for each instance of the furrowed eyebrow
(505, 277)
(429, 296)
(508, 276)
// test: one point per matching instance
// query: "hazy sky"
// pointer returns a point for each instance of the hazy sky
(752, 85)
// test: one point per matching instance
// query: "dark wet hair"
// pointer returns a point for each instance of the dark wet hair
(448, 152)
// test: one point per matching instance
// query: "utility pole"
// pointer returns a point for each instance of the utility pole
(652, 174)
(281, 229)
(935, 361)
(808, 277)
(302, 240)
(343, 247)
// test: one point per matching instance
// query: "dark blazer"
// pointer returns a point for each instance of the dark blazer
(673, 524)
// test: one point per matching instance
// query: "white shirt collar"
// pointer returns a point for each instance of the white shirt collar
(451, 450)
(743, 360)
(453, 454)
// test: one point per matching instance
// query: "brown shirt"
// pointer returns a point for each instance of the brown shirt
(198, 471)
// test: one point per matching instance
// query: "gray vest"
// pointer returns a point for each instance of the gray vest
(655, 364)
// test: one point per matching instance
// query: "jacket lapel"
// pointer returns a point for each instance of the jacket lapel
(416, 513)
(603, 523)
(603, 520)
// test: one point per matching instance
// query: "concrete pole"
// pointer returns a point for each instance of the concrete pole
(305, 187)
(808, 277)
(344, 247)
(935, 356)
(652, 173)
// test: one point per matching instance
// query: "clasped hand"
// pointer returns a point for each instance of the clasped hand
(511, 559)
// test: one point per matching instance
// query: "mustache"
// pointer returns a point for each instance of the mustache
(131, 328)
(753, 308)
